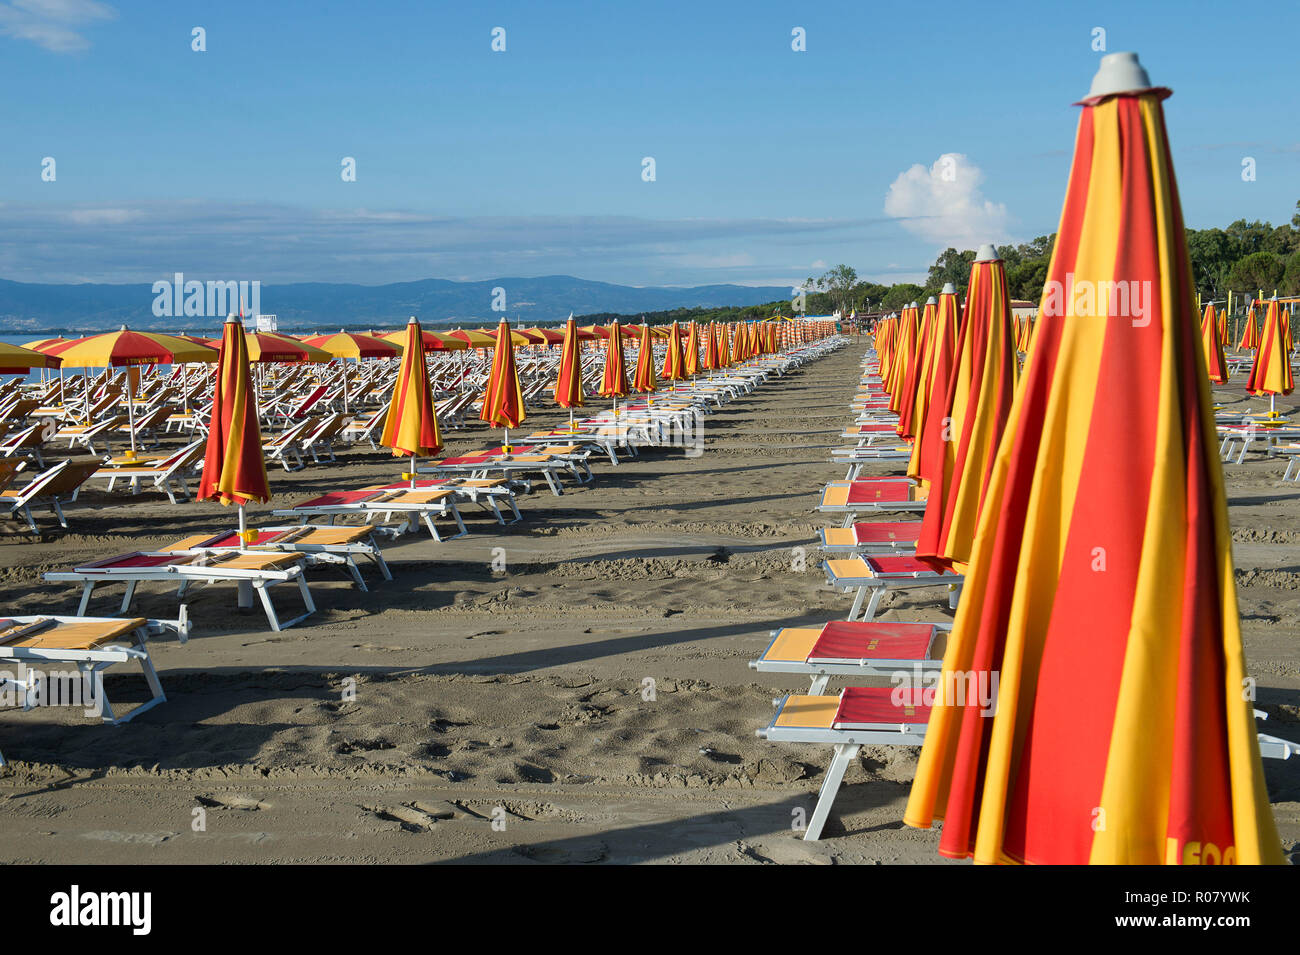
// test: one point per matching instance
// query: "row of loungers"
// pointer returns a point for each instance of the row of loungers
(870, 559)
(266, 557)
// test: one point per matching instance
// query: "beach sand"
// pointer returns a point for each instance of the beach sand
(508, 717)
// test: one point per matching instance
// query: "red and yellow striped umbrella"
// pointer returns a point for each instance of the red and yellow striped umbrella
(710, 362)
(903, 356)
(613, 383)
(15, 359)
(124, 348)
(674, 360)
(932, 389)
(1212, 343)
(644, 379)
(691, 357)
(429, 341)
(503, 400)
(737, 344)
(1101, 586)
(1250, 334)
(568, 382)
(979, 398)
(234, 471)
(352, 345)
(906, 425)
(1271, 372)
(411, 428)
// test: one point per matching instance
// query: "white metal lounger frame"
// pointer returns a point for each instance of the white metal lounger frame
(90, 662)
(847, 743)
(413, 514)
(190, 576)
(875, 588)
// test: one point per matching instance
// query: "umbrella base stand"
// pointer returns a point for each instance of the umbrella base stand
(245, 595)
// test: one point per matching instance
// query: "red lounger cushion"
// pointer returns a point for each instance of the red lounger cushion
(884, 532)
(875, 704)
(858, 640)
(864, 492)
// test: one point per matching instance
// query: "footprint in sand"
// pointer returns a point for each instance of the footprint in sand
(414, 816)
(244, 803)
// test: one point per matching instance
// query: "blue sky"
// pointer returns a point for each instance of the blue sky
(770, 164)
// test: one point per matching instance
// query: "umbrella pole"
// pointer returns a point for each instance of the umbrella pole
(245, 587)
(505, 442)
(130, 412)
(412, 472)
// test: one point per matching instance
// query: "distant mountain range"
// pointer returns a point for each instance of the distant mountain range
(28, 307)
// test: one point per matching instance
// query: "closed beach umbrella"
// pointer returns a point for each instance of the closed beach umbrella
(691, 356)
(1212, 343)
(1101, 587)
(710, 346)
(644, 380)
(936, 371)
(978, 402)
(674, 361)
(613, 382)
(737, 344)
(503, 400)
(411, 427)
(1271, 373)
(568, 382)
(1250, 334)
(906, 426)
(234, 470)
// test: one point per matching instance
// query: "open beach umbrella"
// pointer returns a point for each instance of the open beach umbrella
(549, 336)
(503, 400)
(1249, 334)
(1212, 342)
(429, 341)
(15, 359)
(351, 345)
(674, 361)
(234, 470)
(126, 349)
(644, 380)
(691, 355)
(568, 381)
(411, 427)
(1271, 373)
(978, 403)
(1101, 587)
(473, 339)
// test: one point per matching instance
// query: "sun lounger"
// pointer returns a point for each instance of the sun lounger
(28, 441)
(851, 498)
(487, 493)
(514, 467)
(872, 577)
(859, 716)
(88, 644)
(253, 572)
(321, 545)
(167, 474)
(382, 503)
(879, 537)
(853, 649)
(52, 486)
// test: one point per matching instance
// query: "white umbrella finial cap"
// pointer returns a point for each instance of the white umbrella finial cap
(948, 289)
(1119, 73)
(986, 253)
(931, 301)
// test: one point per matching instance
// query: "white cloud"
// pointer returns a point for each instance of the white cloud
(944, 204)
(54, 25)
